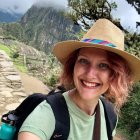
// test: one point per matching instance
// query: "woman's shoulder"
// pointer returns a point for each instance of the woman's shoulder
(38, 121)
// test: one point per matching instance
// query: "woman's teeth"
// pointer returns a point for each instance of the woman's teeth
(90, 84)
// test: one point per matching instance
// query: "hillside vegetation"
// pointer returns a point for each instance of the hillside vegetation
(31, 61)
(41, 28)
(12, 53)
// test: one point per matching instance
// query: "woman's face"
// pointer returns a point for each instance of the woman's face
(91, 73)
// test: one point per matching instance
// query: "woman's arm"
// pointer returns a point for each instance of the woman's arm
(37, 126)
(27, 136)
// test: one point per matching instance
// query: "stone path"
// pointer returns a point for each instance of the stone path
(12, 91)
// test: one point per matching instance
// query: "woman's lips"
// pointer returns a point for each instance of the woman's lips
(90, 84)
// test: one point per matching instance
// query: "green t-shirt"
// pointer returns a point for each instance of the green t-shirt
(41, 122)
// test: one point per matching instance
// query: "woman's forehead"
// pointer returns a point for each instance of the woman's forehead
(92, 51)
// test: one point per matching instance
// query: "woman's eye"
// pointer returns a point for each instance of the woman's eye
(103, 66)
(83, 61)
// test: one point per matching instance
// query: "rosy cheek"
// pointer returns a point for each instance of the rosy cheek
(105, 77)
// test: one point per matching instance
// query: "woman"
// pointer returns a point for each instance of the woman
(97, 65)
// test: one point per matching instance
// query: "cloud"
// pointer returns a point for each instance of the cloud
(58, 4)
(17, 6)
(21, 6)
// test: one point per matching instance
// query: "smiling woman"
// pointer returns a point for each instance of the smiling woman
(119, 74)
(95, 68)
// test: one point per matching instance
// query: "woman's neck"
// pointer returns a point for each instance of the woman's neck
(87, 106)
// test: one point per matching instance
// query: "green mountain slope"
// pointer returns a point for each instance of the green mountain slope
(41, 28)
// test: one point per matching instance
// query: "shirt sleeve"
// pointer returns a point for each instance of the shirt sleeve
(40, 122)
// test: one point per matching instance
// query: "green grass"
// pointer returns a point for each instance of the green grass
(6, 49)
(10, 51)
(19, 65)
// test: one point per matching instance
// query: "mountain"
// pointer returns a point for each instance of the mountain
(42, 27)
(46, 26)
(9, 17)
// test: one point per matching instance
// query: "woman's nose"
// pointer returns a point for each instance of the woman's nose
(92, 71)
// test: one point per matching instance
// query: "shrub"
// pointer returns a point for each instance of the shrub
(15, 55)
(130, 113)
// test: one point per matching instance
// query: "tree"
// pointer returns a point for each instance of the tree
(88, 11)
(136, 4)
(130, 117)
(132, 43)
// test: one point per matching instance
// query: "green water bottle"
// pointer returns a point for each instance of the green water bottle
(8, 129)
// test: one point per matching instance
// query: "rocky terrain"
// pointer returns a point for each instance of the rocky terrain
(15, 86)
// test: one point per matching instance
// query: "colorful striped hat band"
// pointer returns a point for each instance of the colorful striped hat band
(98, 41)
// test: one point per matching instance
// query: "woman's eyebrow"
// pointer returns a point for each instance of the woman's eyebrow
(82, 56)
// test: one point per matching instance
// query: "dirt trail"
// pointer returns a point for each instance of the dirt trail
(32, 84)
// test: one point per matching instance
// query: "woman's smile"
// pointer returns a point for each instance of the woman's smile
(91, 85)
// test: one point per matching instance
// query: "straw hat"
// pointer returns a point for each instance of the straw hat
(104, 35)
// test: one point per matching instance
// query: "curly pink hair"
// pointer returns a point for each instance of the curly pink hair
(120, 80)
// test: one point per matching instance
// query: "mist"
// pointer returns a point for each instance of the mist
(57, 4)
(21, 6)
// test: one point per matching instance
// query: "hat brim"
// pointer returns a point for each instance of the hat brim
(63, 49)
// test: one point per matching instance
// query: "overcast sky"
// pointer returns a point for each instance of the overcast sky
(124, 11)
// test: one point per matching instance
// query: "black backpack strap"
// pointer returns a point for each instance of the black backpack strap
(25, 108)
(110, 116)
(30, 102)
(61, 113)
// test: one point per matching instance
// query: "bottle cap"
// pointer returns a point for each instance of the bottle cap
(9, 118)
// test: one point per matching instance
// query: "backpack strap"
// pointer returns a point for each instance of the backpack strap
(97, 123)
(110, 116)
(25, 108)
(61, 113)
(31, 102)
